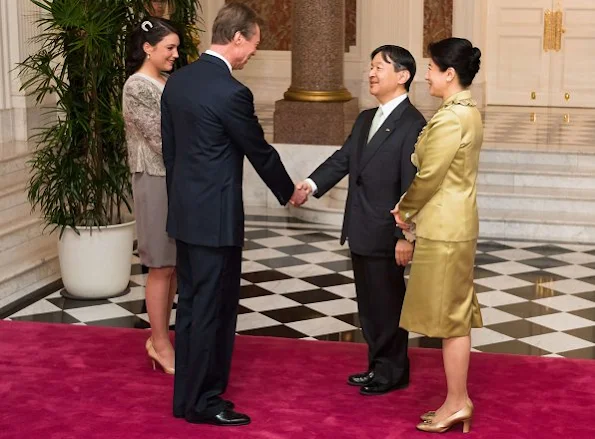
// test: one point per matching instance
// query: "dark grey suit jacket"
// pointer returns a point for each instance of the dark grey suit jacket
(379, 173)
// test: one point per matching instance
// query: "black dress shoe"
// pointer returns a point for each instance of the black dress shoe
(377, 388)
(381, 388)
(225, 418)
(226, 404)
(361, 379)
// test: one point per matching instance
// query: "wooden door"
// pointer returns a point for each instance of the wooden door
(518, 67)
(572, 67)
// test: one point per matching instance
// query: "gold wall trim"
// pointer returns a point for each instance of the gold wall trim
(558, 30)
(295, 94)
(553, 30)
(548, 30)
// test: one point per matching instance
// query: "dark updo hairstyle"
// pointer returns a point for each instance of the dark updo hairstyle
(151, 30)
(459, 54)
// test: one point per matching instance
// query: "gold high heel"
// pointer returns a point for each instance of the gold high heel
(429, 415)
(464, 415)
(154, 356)
(148, 343)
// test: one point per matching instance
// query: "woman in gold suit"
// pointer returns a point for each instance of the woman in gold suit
(439, 210)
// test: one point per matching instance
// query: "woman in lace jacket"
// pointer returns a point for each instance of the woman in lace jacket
(440, 300)
(152, 51)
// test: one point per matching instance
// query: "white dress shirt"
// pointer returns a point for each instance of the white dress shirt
(386, 110)
(218, 55)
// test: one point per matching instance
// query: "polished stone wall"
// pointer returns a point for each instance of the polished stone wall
(437, 21)
(277, 23)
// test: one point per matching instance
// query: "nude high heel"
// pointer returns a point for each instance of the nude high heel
(155, 358)
(464, 416)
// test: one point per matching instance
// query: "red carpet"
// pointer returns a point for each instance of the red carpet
(64, 381)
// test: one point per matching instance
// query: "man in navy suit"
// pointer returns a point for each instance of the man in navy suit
(377, 157)
(208, 126)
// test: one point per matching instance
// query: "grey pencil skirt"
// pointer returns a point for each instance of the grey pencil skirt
(155, 248)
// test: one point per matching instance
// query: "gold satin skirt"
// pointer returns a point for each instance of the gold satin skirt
(440, 300)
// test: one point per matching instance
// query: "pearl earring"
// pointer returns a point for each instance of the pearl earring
(148, 56)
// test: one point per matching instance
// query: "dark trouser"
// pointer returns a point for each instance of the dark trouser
(208, 295)
(380, 289)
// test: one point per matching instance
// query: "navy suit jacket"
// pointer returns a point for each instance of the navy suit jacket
(208, 125)
(379, 173)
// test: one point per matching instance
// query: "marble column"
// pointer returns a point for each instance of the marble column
(6, 128)
(317, 108)
(18, 113)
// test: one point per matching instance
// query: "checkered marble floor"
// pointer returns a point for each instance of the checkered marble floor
(297, 281)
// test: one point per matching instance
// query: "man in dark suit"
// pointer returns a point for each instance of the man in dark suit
(208, 126)
(377, 157)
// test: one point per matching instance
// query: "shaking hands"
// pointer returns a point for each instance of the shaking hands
(300, 194)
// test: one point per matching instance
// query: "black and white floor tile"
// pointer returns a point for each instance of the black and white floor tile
(297, 281)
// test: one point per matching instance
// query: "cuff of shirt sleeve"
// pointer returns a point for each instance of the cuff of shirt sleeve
(409, 235)
(312, 185)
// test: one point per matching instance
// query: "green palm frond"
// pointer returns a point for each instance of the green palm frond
(79, 174)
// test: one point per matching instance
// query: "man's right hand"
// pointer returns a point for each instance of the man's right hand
(304, 186)
(403, 252)
(300, 194)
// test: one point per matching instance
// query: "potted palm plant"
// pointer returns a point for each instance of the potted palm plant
(80, 181)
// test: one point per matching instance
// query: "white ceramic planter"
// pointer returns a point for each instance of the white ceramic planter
(96, 263)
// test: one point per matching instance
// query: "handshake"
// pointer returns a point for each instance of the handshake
(300, 193)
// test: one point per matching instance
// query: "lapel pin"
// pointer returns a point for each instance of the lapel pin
(388, 130)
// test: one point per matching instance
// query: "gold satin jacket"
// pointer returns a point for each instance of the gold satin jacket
(441, 200)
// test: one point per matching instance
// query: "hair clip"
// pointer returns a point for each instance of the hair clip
(146, 25)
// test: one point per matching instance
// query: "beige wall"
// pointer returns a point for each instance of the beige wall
(268, 74)
(378, 22)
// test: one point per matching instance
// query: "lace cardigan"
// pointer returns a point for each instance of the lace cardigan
(141, 107)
